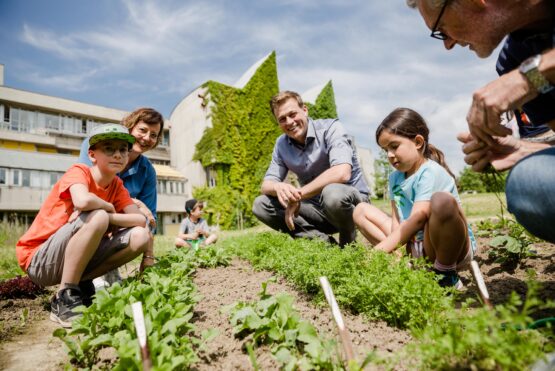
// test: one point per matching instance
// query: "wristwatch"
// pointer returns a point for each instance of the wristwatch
(529, 68)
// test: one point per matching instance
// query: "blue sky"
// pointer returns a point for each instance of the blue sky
(125, 54)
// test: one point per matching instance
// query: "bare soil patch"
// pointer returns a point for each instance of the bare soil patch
(28, 344)
(502, 279)
(240, 282)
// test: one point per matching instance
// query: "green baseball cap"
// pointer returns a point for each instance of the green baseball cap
(110, 131)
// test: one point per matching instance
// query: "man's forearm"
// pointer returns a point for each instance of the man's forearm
(335, 174)
(268, 188)
(547, 66)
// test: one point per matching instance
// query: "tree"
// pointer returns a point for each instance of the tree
(470, 180)
(489, 181)
(382, 171)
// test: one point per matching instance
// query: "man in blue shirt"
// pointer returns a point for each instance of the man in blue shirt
(323, 158)
(526, 85)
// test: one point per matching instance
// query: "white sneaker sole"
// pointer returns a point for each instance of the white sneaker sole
(64, 324)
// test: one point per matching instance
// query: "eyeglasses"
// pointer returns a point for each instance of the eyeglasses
(437, 34)
(110, 151)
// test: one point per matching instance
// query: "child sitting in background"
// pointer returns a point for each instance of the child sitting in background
(194, 230)
(426, 210)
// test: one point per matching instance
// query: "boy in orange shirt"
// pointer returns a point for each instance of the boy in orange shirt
(87, 226)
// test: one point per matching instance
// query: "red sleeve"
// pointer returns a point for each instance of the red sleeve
(77, 174)
(121, 196)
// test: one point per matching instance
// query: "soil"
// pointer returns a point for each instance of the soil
(502, 279)
(26, 341)
(239, 282)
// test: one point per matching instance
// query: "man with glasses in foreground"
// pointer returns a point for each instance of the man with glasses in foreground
(526, 66)
(87, 226)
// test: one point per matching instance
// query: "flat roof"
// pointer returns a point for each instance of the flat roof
(36, 160)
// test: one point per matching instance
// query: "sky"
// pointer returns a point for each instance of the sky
(126, 54)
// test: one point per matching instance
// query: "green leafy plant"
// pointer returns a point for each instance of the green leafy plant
(513, 246)
(295, 343)
(482, 339)
(238, 146)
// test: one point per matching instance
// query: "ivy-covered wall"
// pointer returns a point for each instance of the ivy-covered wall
(240, 142)
(324, 107)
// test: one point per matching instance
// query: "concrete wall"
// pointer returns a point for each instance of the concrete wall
(367, 164)
(22, 198)
(188, 121)
(61, 105)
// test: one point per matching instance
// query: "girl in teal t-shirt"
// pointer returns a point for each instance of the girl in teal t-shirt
(426, 210)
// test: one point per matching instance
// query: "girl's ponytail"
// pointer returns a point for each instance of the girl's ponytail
(433, 153)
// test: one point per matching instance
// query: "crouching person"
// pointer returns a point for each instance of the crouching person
(87, 226)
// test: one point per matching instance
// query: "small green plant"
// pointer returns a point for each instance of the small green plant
(9, 234)
(295, 343)
(512, 247)
(482, 339)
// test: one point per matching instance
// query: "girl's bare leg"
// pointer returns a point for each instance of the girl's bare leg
(373, 223)
(445, 235)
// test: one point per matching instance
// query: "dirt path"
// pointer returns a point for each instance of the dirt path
(239, 282)
(36, 349)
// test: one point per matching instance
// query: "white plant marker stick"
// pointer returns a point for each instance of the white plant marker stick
(139, 320)
(482, 289)
(343, 331)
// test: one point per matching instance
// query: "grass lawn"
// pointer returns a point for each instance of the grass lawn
(476, 207)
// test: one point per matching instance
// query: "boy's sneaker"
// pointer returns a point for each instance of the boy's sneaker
(449, 279)
(87, 292)
(63, 303)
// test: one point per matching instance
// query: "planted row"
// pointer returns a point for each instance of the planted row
(375, 284)
(383, 287)
(168, 296)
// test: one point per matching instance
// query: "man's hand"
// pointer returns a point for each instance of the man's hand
(291, 211)
(502, 155)
(490, 102)
(286, 193)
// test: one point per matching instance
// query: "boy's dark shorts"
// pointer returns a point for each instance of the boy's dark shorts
(47, 263)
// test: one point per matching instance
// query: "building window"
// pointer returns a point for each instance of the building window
(3, 175)
(26, 178)
(211, 175)
(6, 113)
(54, 178)
(165, 138)
(16, 177)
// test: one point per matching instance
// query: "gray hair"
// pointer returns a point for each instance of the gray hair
(433, 3)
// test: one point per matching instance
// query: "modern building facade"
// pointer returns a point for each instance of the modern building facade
(40, 138)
